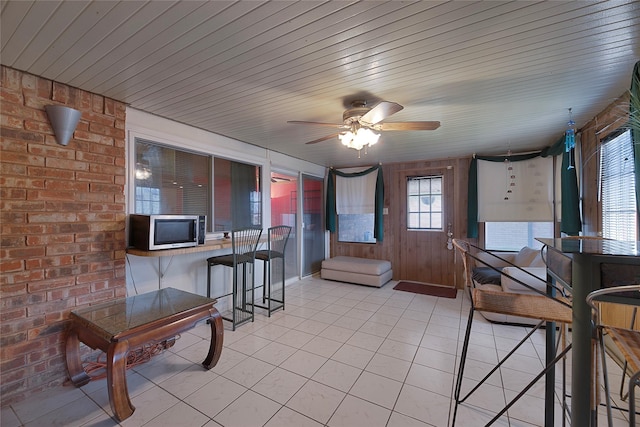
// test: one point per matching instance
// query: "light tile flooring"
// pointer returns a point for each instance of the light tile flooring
(341, 355)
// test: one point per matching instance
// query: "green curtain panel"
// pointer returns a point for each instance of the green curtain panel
(331, 216)
(571, 223)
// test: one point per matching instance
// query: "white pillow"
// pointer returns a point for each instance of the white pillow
(510, 285)
(525, 257)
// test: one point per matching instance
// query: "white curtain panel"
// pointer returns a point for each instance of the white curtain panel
(531, 197)
(356, 195)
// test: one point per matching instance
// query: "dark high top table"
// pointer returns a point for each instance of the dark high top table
(125, 324)
(581, 266)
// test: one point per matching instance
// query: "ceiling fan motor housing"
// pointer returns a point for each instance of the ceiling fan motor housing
(353, 114)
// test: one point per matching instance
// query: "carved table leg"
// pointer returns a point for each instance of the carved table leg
(217, 336)
(74, 365)
(117, 380)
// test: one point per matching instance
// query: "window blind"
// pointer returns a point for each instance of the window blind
(356, 195)
(619, 218)
(523, 193)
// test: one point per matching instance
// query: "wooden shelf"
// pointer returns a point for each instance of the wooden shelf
(209, 245)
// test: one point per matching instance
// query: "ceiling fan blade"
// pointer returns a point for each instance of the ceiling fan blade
(324, 138)
(334, 125)
(409, 126)
(380, 111)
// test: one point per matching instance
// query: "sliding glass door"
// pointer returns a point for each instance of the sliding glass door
(284, 188)
(313, 235)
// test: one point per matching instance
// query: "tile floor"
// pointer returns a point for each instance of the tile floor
(341, 355)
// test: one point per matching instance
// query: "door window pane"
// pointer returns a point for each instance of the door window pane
(424, 203)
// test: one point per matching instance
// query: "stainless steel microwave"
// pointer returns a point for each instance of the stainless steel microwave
(155, 232)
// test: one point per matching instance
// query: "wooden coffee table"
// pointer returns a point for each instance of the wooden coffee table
(125, 324)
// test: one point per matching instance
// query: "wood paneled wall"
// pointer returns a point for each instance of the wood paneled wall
(432, 254)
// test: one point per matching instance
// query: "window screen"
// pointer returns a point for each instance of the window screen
(619, 217)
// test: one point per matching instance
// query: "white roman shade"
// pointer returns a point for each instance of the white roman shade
(531, 198)
(356, 195)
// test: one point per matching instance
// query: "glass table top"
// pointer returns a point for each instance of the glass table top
(593, 246)
(115, 317)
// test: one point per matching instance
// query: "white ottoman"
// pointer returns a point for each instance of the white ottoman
(362, 271)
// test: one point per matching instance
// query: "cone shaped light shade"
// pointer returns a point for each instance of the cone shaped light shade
(63, 121)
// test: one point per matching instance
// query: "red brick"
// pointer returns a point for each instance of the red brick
(11, 265)
(22, 182)
(56, 217)
(27, 276)
(29, 81)
(12, 96)
(26, 252)
(7, 290)
(48, 307)
(96, 297)
(22, 229)
(11, 122)
(12, 169)
(14, 313)
(63, 206)
(52, 151)
(49, 239)
(9, 241)
(11, 78)
(18, 134)
(66, 164)
(93, 137)
(47, 285)
(69, 271)
(44, 172)
(8, 340)
(108, 169)
(67, 185)
(51, 195)
(44, 87)
(71, 292)
(73, 248)
(16, 362)
(24, 159)
(95, 157)
(13, 193)
(94, 277)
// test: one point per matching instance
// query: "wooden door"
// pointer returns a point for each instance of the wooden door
(422, 247)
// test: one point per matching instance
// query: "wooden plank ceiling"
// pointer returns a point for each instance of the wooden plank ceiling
(498, 75)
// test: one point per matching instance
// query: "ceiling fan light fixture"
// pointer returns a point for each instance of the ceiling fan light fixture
(359, 138)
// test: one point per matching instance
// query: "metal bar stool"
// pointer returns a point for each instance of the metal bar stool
(244, 243)
(542, 307)
(626, 340)
(278, 237)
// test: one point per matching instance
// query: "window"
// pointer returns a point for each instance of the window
(619, 216)
(424, 203)
(171, 181)
(174, 181)
(238, 198)
(513, 236)
(356, 228)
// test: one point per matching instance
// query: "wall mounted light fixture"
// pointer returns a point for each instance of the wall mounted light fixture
(63, 121)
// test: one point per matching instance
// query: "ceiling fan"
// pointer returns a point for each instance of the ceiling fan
(360, 117)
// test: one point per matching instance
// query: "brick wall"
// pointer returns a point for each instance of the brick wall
(62, 224)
